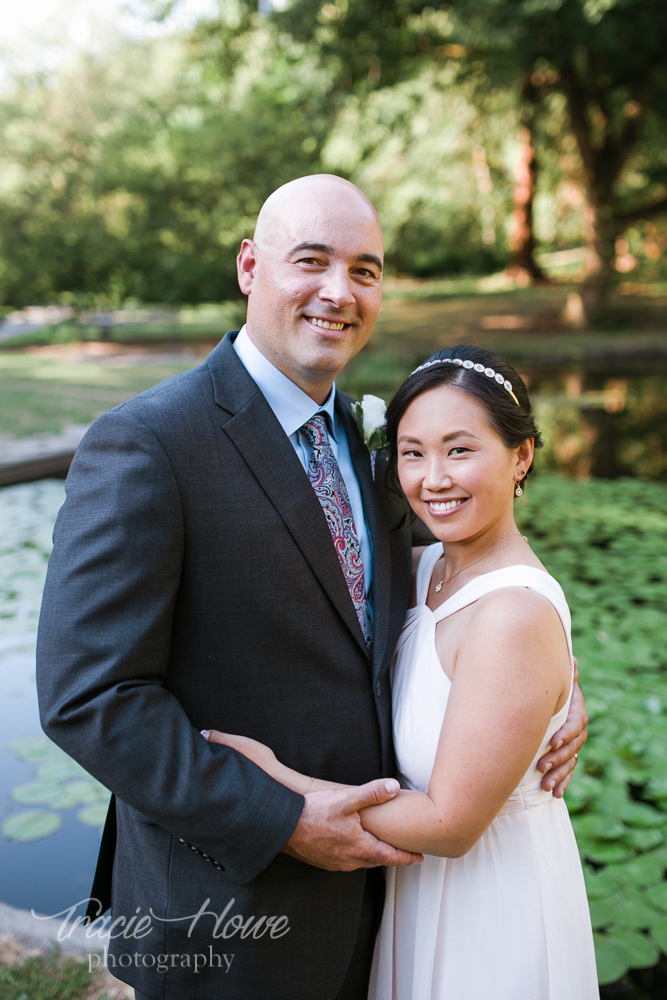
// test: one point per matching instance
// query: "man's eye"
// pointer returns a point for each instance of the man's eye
(311, 261)
(363, 272)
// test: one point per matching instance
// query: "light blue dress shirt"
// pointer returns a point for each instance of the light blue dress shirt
(293, 408)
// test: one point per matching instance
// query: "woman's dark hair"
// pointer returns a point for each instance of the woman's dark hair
(514, 424)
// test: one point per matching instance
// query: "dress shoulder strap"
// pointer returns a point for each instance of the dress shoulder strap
(429, 558)
(510, 576)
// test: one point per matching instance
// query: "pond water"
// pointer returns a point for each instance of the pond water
(602, 422)
(52, 873)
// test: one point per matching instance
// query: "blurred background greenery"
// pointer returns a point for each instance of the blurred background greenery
(490, 134)
(515, 150)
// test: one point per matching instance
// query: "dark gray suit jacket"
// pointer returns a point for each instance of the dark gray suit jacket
(193, 584)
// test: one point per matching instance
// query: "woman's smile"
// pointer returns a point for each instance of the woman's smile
(445, 508)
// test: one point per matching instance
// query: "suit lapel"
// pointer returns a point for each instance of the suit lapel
(380, 594)
(267, 450)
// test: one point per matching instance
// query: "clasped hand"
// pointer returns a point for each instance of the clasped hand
(329, 833)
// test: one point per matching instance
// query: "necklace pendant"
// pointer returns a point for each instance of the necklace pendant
(439, 587)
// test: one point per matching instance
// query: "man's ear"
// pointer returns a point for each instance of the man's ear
(246, 263)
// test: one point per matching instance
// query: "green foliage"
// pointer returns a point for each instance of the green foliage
(137, 171)
(606, 543)
(49, 977)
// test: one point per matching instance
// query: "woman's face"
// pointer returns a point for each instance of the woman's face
(454, 468)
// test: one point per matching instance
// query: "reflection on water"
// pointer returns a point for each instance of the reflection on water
(602, 424)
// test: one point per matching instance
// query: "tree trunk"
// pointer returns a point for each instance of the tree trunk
(522, 265)
(600, 230)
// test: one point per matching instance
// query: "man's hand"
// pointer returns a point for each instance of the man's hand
(329, 834)
(558, 765)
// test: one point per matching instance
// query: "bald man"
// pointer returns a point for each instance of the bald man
(225, 560)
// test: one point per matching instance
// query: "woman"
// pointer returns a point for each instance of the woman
(498, 908)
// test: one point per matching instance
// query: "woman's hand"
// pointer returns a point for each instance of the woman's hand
(260, 754)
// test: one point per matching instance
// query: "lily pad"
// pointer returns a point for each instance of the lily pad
(641, 951)
(35, 793)
(606, 854)
(34, 748)
(636, 814)
(87, 792)
(644, 840)
(644, 870)
(659, 934)
(93, 815)
(612, 962)
(31, 824)
(600, 827)
(603, 912)
(60, 770)
(658, 896)
(633, 910)
(603, 883)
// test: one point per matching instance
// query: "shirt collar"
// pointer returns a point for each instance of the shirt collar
(292, 407)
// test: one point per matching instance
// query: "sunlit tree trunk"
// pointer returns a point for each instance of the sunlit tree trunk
(522, 265)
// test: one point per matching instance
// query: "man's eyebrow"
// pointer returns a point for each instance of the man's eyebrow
(369, 258)
(317, 247)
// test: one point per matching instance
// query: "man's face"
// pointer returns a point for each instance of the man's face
(314, 284)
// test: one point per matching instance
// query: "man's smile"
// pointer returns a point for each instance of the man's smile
(327, 324)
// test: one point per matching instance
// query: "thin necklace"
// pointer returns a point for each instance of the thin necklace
(442, 582)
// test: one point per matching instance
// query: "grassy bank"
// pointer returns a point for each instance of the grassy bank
(49, 389)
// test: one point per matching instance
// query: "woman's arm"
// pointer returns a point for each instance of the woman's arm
(507, 684)
(506, 687)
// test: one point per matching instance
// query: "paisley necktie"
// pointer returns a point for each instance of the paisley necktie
(327, 481)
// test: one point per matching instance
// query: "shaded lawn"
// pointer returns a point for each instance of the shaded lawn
(45, 389)
(46, 393)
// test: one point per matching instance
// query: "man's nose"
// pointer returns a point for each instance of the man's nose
(336, 288)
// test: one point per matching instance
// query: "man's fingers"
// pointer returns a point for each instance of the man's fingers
(374, 793)
(559, 790)
(380, 854)
(555, 758)
(399, 859)
(557, 775)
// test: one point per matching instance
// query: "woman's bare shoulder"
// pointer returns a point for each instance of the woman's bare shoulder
(516, 617)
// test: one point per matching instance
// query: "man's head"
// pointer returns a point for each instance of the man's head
(313, 277)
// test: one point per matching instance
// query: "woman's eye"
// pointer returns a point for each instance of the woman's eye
(411, 454)
(459, 450)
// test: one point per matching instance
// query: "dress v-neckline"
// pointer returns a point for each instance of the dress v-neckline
(435, 612)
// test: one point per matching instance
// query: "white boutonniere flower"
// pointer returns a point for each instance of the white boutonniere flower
(370, 416)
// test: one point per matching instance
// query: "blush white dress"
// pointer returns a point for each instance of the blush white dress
(510, 919)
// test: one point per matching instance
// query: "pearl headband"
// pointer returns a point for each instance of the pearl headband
(489, 372)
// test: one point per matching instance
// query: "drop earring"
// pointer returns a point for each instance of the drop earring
(517, 489)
